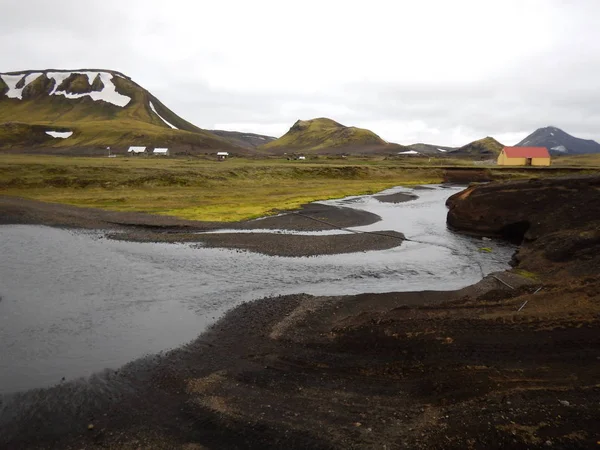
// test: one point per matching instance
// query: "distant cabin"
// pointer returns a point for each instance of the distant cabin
(137, 150)
(161, 152)
(524, 156)
(221, 156)
(301, 158)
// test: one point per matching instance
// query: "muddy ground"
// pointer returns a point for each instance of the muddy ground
(511, 362)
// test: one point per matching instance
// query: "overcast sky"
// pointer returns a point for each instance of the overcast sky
(435, 71)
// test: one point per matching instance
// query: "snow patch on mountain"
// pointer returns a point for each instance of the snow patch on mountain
(60, 134)
(559, 148)
(161, 117)
(108, 94)
(12, 81)
(408, 152)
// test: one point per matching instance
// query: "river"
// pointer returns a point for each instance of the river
(73, 303)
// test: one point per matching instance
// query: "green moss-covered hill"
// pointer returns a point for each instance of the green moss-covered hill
(323, 134)
(486, 148)
(101, 107)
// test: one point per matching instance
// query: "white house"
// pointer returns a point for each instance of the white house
(222, 155)
(301, 158)
(161, 152)
(137, 150)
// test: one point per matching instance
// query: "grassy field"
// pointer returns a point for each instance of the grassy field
(197, 189)
(236, 189)
(592, 161)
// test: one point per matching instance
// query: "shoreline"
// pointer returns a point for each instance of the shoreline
(498, 364)
(217, 381)
(141, 227)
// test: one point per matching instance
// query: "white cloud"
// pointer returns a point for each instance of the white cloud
(433, 71)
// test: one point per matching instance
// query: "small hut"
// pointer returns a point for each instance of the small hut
(161, 152)
(137, 151)
(524, 156)
(221, 156)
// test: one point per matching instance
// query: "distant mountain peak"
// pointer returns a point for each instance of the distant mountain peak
(559, 142)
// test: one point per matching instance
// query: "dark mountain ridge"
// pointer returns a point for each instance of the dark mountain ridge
(559, 142)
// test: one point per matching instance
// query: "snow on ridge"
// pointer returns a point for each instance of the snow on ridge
(12, 81)
(408, 152)
(161, 117)
(60, 134)
(108, 94)
(442, 150)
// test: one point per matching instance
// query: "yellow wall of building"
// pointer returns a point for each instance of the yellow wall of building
(504, 161)
(540, 162)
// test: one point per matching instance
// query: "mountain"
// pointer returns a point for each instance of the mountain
(325, 134)
(91, 109)
(429, 149)
(246, 140)
(486, 148)
(559, 142)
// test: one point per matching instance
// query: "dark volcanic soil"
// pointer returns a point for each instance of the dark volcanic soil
(398, 197)
(557, 219)
(459, 369)
(510, 364)
(279, 244)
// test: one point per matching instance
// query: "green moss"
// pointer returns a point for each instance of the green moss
(194, 189)
(76, 83)
(13, 133)
(525, 274)
(323, 133)
(487, 146)
(38, 87)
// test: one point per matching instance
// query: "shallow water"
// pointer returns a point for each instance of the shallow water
(73, 303)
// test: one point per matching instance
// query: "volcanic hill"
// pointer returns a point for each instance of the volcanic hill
(324, 135)
(486, 148)
(79, 111)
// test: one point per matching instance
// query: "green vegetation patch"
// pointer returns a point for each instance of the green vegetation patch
(76, 83)
(526, 274)
(195, 189)
(42, 85)
(487, 146)
(323, 133)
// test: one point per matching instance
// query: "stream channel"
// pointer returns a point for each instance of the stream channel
(73, 303)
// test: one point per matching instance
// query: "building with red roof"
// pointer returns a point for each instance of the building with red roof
(524, 156)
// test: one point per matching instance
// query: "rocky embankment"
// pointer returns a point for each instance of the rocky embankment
(556, 221)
